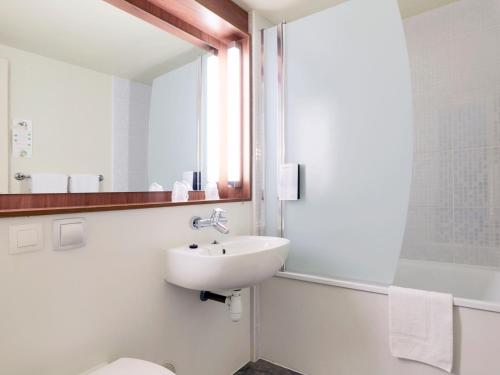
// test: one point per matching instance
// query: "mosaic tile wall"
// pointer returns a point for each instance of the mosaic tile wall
(454, 213)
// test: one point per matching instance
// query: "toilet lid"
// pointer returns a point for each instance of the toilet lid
(131, 366)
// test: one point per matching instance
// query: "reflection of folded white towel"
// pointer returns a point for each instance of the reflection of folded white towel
(211, 191)
(42, 183)
(180, 192)
(155, 186)
(421, 326)
(83, 183)
(187, 178)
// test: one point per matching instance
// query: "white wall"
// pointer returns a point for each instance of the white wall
(131, 107)
(70, 108)
(64, 312)
(324, 330)
(454, 213)
(173, 134)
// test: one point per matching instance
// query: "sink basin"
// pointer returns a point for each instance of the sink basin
(235, 263)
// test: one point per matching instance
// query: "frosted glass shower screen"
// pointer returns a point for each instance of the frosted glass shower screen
(348, 123)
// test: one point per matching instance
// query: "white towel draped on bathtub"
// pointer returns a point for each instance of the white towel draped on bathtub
(421, 326)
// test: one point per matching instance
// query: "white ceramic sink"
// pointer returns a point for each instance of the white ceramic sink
(236, 263)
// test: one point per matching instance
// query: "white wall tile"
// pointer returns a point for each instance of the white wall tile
(432, 179)
(131, 104)
(455, 195)
(474, 174)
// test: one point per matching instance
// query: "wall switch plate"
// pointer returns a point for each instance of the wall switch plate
(22, 139)
(25, 238)
(69, 233)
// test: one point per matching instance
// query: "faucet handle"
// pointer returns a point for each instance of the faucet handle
(218, 213)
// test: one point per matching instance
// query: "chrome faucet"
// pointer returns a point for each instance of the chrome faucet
(216, 220)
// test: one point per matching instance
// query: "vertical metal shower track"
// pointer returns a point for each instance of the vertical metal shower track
(281, 119)
(280, 130)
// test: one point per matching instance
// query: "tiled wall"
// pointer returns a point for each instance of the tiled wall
(140, 101)
(454, 213)
(131, 104)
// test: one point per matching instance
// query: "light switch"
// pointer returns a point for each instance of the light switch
(69, 234)
(25, 238)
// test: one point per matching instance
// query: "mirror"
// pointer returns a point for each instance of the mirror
(97, 100)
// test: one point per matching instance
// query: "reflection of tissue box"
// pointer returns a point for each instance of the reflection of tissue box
(211, 192)
(192, 179)
(289, 182)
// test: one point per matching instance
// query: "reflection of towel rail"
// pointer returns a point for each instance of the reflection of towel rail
(21, 176)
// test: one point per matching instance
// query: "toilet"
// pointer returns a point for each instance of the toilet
(131, 366)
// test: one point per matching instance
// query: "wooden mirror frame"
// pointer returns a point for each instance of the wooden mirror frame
(213, 25)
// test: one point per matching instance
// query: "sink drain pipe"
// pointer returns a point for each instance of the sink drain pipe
(233, 302)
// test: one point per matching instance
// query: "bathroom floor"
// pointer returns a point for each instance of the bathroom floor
(262, 367)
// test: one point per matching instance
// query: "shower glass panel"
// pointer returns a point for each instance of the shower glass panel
(348, 123)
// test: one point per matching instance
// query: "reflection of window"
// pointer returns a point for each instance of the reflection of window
(213, 119)
(234, 114)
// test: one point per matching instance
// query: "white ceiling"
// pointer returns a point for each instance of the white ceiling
(98, 36)
(289, 10)
(92, 34)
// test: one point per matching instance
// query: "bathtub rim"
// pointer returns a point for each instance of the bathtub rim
(381, 289)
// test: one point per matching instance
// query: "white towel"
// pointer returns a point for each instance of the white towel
(187, 178)
(288, 182)
(43, 183)
(211, 191)
(155, 186)
(421, 326)
(180, 192)
(83, 183)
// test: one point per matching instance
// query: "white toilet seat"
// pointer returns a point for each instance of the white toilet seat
(132, 366)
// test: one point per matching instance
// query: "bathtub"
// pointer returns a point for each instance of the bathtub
(329, 321)
(474, 287)
(463, 281)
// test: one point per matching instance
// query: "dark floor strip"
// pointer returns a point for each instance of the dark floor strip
(262, 367)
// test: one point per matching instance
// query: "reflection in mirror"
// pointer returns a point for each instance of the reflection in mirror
(101, 101)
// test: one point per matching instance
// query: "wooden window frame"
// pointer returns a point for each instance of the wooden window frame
(209, 24)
